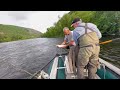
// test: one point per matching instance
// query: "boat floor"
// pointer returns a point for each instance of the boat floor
(74, 76)
(68, 75)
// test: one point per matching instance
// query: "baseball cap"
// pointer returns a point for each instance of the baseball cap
(75, 20)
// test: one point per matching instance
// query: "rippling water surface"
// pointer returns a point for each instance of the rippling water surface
(31, 55)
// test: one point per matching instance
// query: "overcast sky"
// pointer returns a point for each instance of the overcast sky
(39, 20)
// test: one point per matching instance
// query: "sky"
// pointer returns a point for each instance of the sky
(38, 20)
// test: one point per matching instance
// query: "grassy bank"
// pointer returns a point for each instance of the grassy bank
(13, 33)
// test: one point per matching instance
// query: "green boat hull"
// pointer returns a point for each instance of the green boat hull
(106, 74)
(60, 72)
(102, 73)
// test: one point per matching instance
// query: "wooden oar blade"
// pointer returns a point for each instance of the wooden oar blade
(106, 42)
(109, 41)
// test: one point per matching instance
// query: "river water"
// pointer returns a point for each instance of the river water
(111, 51)
(17, 58)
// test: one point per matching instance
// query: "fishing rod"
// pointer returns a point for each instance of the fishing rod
(108, 41)
(57, 54)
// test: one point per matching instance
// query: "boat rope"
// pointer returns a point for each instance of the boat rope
(33, 75)
(104, 70)
(57, 54)
(23, 70)
(42, 68)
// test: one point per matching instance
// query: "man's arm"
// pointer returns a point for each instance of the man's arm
(70, 43)
(75, 37)
(64, 42)
(97, 31)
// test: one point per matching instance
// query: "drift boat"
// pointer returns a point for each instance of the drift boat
(59, 69)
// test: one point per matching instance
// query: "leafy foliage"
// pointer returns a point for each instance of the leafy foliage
(108, 22)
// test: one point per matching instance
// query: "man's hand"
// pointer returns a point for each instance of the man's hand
(63, 43)
(71, 43)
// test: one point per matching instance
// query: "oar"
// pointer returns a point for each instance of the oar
(109, 41)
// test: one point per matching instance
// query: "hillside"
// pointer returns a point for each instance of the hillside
(108, 22)
(13, 33)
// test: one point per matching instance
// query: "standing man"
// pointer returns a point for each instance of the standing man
(86, 36)
(69, 43)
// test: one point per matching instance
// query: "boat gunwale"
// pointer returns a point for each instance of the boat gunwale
(110, 66)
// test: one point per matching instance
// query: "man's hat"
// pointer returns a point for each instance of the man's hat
(75, 20)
